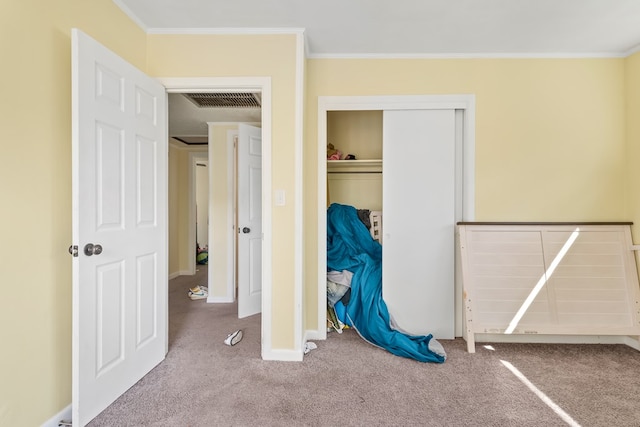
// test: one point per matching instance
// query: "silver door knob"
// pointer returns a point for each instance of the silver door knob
(245, 230)
(91, 249)
(73, 250)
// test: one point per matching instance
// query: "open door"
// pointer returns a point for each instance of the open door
(249, 176)
(119, 194)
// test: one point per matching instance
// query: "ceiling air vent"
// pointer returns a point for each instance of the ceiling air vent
(225, 100)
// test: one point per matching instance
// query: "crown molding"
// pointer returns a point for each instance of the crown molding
(469, 55)
(227, 31)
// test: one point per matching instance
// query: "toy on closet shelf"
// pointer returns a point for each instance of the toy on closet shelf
(333, 153)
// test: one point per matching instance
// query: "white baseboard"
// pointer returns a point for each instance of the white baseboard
(283, 355)
(314, 335)
(64, 415)
(180, 273)
(219, 300)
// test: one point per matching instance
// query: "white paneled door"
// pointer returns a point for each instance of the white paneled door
(418, 197)
(249, 220)
(119, 226)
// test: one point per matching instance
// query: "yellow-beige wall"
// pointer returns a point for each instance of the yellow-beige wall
(358, 133)
(179, 213)
(219, 255)
(35, 183)
(632, 90)
(252, 55)
(550, 134)
(556, 139)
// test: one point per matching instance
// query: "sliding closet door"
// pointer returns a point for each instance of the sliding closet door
(419, 219)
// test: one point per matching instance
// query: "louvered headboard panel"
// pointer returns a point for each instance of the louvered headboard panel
(549, 279)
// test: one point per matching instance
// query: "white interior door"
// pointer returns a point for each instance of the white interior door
(418, 196)
(249, 175)
(120, 207)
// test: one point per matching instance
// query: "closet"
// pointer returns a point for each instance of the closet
(410, 168)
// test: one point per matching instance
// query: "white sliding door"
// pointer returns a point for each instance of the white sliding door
(418, 196)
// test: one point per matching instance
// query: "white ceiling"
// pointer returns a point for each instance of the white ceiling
(414, 27)
(401, 28)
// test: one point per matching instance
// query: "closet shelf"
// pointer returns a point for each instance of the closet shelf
(345, 166)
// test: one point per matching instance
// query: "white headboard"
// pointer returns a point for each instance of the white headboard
(548, 278)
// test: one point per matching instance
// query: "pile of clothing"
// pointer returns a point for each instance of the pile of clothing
(352, 253)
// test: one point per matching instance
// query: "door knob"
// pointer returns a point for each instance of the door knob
(91, 249)
(73, 250)
(245, 230)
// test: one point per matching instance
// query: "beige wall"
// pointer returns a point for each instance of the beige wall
(252, 55)
(632, 90)
(358, 133)
(179, 214)
(555, 140)
(35, 183)
(219, 255)
(550, 134)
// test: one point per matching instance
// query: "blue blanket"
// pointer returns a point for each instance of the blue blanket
(351, 247)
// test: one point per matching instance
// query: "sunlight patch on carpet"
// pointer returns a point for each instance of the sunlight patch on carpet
(547, 401)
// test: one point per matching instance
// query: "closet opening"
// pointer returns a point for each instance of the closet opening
(404, 163)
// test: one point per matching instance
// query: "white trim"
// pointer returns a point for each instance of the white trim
(267, 223)
(180, 273)
(257, 124)
(411, 102)
(298, 291)
(283, 355)
(322, 219)
(231, 214)
(64, 415)
(631, 51)
(219, 300)
(401, 102)
(316, 334)
(226, 31)
(213, 84)
(121, 4)
(462, 55)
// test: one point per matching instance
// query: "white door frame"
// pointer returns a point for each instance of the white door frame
(465, 173)
(232, 215)
(244, 84)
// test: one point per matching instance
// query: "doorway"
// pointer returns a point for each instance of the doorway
(240, 84)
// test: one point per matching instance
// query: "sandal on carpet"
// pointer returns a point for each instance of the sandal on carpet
(233, 338)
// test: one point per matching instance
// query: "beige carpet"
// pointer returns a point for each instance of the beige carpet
(347, 382)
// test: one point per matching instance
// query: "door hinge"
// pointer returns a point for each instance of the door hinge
(73, 250)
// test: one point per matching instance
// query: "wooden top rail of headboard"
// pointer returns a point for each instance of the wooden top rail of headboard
(542, 223)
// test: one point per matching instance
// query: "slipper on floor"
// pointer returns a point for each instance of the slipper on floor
(234, 337)
(198, 292)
